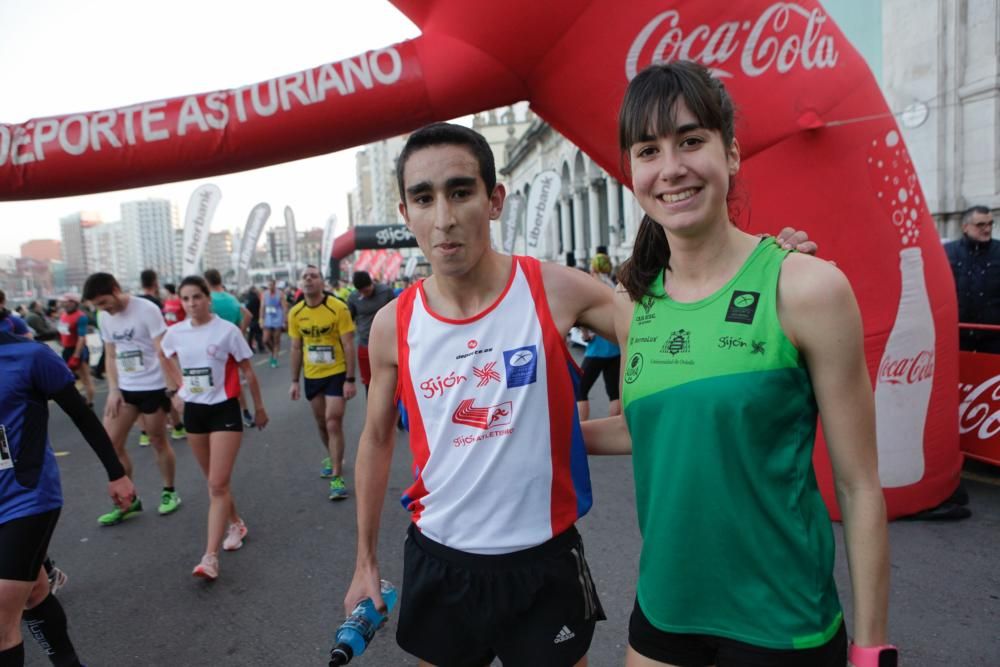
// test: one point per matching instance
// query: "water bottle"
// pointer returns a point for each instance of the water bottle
(357, 631)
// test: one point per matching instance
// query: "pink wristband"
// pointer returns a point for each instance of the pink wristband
(869, 656)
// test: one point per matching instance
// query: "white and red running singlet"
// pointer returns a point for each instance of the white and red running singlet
(498, 456)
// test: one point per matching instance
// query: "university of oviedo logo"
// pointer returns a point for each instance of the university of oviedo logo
(742, 307)
(633, 368)
(483, 417)
(678, 342)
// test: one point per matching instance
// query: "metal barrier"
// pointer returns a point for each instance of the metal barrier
(979, 401)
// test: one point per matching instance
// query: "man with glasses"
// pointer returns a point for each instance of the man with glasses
(975, 261)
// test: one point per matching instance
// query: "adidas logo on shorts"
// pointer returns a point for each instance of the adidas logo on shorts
(564, 635)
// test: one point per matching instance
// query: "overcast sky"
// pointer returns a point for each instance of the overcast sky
(65, 56)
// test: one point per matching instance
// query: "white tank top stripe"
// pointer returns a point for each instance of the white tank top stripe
(499, 464)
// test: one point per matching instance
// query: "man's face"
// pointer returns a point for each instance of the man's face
(979, 227)
(367, 290)
(109, 303)
(312, 281)
(447, 207)
(69, 305)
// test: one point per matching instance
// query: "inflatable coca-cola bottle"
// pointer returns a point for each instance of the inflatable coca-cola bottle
(905, 378)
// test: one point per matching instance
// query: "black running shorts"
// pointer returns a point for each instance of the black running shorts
(592, 368)
(531, 608)
(24, 543)
(225, 416)
(331, 385)
(148, 402)
(687, 650)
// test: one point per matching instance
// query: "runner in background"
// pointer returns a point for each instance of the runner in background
(201, 355)
(272, 320)
(131, 329)
(255, 335)
(173, 310)
(367, 299)
(150, 283)
(73, 338)
(602, 357)
(322, 334)
(11, 323)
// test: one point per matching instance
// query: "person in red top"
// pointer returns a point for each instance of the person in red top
(73, 338)
(173, 309)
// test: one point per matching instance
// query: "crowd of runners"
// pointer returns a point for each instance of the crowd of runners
(493, 564)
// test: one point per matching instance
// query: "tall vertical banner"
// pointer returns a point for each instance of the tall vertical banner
(327, 246)
(545, 190)
(510, 221)
(251, 234)
(197, 221)
(293, 248)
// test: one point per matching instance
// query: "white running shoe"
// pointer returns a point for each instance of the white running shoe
(234, 536)
(208, 568)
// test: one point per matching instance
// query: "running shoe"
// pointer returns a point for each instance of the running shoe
(116, 515)
(338, 489)
(274, 363)
(327, 470)
(248, 421)
(208, 568)
(57, 579)
(169, 502)
(178, 433)
(234, 536)
(144, 439)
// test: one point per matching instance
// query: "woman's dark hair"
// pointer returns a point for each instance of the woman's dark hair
(649, 110)
(198, 282)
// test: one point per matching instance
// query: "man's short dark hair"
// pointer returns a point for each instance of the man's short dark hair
(170, 287)
(213, 277)
(147, 278)
(361, 279)
(971, 211)
(3, 296)
(99, 284)
(449, 134)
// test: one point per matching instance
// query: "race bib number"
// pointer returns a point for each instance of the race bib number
(198, 380)
(63, 328)
(270, 310)
(320, 354)
(170, 316)
(131, 361)
(6, 460)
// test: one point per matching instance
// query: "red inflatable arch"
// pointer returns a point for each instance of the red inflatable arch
(808, 158)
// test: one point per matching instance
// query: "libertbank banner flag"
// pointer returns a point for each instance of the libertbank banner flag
(510, 221)
(293, 248)
(327, 245)
(545, 190)
(255, 225)
(197, 222)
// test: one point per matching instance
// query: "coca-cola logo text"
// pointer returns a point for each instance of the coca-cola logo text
(978, 411)
(783, 36)
(907, 370)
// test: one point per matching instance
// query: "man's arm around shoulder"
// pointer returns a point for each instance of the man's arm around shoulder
(576, 297)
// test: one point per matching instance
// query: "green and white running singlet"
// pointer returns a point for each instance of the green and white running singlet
(737, 542)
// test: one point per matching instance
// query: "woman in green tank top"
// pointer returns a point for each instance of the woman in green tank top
(731, 348)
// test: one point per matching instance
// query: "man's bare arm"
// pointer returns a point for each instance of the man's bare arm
(371, 468)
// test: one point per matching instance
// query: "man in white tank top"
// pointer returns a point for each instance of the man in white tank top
(450, 196)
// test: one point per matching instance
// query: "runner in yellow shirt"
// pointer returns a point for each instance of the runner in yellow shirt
(322, 334)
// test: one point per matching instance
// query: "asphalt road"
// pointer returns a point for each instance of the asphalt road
(131, 599)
